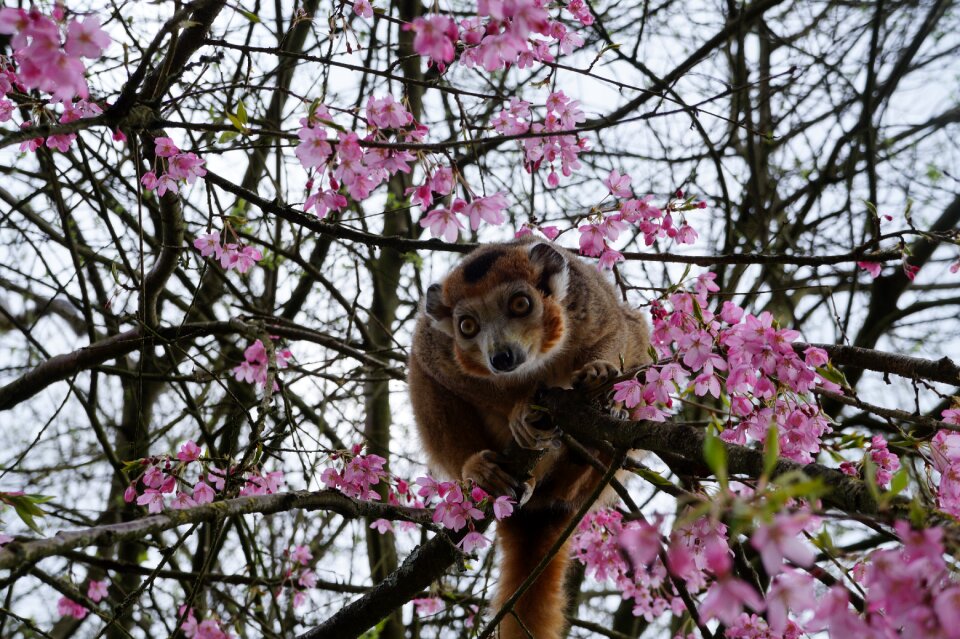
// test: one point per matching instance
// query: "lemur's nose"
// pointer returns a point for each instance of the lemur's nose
(506, 360)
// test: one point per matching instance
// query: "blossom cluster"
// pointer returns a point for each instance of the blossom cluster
(347, 164)
(743, 356)
(48, 50)
(158, 478)
(230, 254)
(96, 591)
(299, 575)
(206, 629)
(455, 504)
(553, 144)
(945, 454)
(177, 167)
(629, 553)
(443, 222)
(646, 566)
(909, 590)
(59, 141)
(503, 33)
(358, 474)
(885, 463)
(256, 364)
(650, 220)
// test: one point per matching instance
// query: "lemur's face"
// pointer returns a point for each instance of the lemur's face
(503, 310)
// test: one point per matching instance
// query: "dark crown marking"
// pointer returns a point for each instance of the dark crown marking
(476, 268)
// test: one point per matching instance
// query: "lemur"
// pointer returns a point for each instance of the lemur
(508, 319)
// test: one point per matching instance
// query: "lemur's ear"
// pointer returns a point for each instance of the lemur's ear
(551, 268)
(437, 311)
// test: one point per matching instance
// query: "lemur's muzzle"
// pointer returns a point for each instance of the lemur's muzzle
(506, 359)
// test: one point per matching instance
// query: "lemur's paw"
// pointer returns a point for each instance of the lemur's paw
(531, 429)
(594, 375)
(484, 469)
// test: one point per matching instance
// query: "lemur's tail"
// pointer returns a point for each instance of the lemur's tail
(525, 538)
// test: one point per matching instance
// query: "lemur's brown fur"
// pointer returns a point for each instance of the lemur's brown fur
(480, 351)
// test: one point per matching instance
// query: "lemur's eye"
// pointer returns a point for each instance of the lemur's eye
(520, 305)
(469, 327)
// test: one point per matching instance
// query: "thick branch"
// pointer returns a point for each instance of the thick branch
(583, 421)
(941, 370)
(16, 553)
(61, 367)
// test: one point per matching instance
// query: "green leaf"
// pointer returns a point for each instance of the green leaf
(374, 633)
(899, 481)
(833, 374)
(226, 136)
(771, 451)
(237, 124)
(26, 507)
(251, 16)
(697, 311)
(242, 114)
(870, 476)
(715, 454)
(412, 257)
(654, 478)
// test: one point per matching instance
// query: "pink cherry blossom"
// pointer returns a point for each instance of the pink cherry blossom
(726, 599)
(186, 166)
(641, 541)
(945, 446)
(189, 452)
(313, 150)
(182, 500)
(209, 244)
(152, 499)
(488, 209)
(473, 540)
(886, 462)
(619, 185)
(301, 555)
(86, 39)
(202, 493)
(503, 507)
(780, 540)
(609, 258)
(69, 608)
(442, 223)
(427, 606)
(245, 258)
(97, 590)
(382, 526)
(791, 591)
(592, 240)
(435, 37)
(325, 201)
(153, 477)
(307, 578)
(164, 147)
(387, 113)
(167, 182)
(363, 8)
